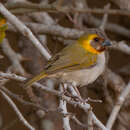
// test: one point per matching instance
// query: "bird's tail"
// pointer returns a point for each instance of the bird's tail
(35, 79)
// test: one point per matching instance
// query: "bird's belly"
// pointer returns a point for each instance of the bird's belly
(81, 77)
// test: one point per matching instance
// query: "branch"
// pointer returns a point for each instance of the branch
(22, 119)
(18, 98)
(121, 46)
(69, 33)
(112, 27)
(94, 21)
(123, 4)
(105, 17)
(91, 19)
(59, 30)
(28, 7)
(63, 106)
(118, 106)
(90, 120)
(14, 58)
(85, 106)
(78, 122)
(24, 30)
(114, 81)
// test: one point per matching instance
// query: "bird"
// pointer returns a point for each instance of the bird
(79, 63)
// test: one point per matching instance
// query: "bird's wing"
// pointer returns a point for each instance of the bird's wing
(69, 59)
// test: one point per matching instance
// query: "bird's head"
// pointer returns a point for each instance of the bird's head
(94, 43)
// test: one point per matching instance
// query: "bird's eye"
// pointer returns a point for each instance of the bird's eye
(96, 39)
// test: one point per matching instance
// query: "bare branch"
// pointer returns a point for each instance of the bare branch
(63, 106)
(22, 119)
(59, 30)
(14, 58)
(123, 4)
(71, 34)
(90, 120)
(122, 46)
(85, 106)
(115, 81)
(105, 17)
(24, 30)
(91, 19)
(118, 106)
(31, 7)
(78, 122)
(112, 27)
(18, 98)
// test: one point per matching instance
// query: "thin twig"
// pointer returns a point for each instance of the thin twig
(22, 119)
(78, 122)
(24, 30)
(118, 106)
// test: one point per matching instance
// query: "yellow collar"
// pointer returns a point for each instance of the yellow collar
(89, 48)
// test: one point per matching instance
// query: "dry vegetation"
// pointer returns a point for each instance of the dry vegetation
(38, 29)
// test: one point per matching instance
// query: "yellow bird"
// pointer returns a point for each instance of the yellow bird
(79, 63)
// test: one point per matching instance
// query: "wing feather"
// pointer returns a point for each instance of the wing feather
(71, 58)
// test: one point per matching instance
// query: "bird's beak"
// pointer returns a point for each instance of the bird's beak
(106, 43)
